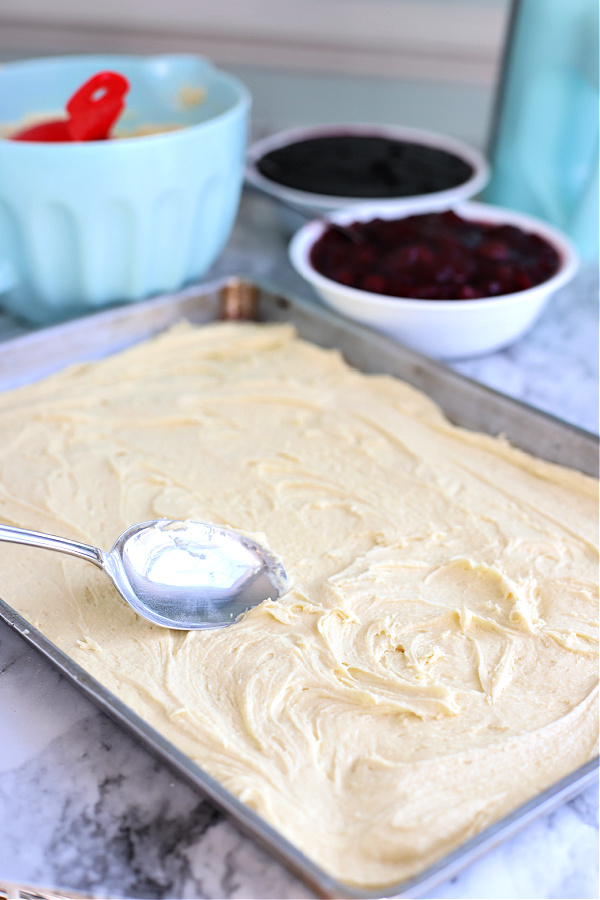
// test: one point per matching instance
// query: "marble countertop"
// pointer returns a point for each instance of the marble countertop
(86, 810)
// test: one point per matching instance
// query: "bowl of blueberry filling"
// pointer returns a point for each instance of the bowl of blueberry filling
(316, 170)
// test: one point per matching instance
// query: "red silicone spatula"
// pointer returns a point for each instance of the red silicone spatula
(92, 111)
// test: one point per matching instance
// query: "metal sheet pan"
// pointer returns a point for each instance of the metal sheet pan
(32, 356)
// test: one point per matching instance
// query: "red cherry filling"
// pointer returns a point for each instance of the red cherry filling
(435, 256)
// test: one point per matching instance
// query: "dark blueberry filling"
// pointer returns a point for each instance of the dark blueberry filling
(364, 166)
(435, 256)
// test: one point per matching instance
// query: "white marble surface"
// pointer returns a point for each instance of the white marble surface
(84, 808)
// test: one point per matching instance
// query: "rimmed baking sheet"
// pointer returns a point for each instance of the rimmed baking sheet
(466, 403)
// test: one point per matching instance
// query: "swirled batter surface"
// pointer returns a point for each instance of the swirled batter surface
(434, 661)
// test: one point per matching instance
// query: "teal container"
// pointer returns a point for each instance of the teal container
(87, 225)
(544, 146)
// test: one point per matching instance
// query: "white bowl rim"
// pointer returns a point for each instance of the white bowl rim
(304, 239)
(468, 188)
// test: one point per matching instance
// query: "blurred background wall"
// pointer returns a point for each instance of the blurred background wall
(426, 63)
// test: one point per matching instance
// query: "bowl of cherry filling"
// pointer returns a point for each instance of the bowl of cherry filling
(451, 283)
(319, 169)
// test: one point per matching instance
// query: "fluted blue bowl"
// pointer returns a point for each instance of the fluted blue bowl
(91, 224)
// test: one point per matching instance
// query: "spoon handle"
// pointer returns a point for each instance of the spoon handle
(51, 542)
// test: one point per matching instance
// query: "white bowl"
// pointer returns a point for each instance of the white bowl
(310, 205)
(444, 329)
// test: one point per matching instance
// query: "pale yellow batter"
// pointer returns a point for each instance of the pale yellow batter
(434, 661)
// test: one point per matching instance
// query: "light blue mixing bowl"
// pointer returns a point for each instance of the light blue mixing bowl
(86, 225)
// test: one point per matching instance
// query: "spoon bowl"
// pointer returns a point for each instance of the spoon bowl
(184, 575)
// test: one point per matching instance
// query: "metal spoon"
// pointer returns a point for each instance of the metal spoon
(185, 575)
